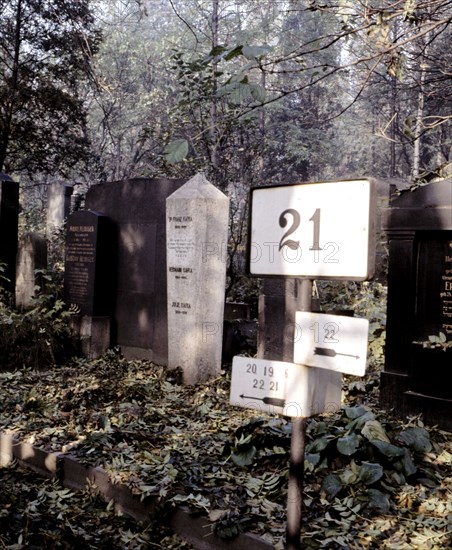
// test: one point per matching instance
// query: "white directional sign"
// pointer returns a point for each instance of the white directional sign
(284, 388)
(318, 230)
(331, 342)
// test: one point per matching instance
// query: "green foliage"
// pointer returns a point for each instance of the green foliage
(38, 337)
(369, 461)
(45, 50)
(176, 151)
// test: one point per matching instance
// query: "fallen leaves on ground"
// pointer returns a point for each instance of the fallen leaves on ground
(370, 482)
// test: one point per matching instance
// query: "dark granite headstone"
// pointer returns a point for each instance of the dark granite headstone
(446, 291)
(89, 277)
(434, 285)
(137, 207)
(9, 212)
(417, 378)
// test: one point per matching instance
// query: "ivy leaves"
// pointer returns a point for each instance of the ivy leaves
(372, 464)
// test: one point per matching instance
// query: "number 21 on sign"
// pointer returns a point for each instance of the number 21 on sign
(295, 224)
(323, 230)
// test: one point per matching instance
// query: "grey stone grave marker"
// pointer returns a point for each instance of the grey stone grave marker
(197, 230)
(58, 205)
(32, 256)
(9, 212)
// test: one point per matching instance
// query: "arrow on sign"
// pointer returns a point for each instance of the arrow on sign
(275, 401)
(332, 353)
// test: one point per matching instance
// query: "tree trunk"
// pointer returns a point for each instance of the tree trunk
(9, 104)
(418, 128)
(393, 169)
(213, 106)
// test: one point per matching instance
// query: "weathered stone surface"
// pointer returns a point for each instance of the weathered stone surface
(58, 205)
(137, 208)
(32, 256)
(197, 228)
(94, 334)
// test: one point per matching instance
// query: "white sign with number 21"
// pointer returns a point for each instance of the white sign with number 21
(318, 230)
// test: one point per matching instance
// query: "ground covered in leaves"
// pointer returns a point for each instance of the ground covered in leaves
(37, 513)
(371, 481)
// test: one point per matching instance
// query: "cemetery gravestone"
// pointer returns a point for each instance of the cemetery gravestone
(197, 231)
(58, 205)
(9, 214)
(32, 256)
(89, 279)
(417, 377)
(137, 209)
(446, 291)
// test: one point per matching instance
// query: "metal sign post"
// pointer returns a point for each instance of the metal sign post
(308, 231)
(297, 446)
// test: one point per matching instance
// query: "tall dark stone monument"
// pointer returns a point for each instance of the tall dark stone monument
(137, 208)
(418, 376)
(9, 213)
(90, 278)
(90, 266)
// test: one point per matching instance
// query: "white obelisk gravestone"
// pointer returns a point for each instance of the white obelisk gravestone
(197, 217)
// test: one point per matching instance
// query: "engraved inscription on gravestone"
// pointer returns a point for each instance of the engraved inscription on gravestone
(88, 279)
(446, 292)
(197, 225)
(434, 285)
(79, 257)
(181, 247)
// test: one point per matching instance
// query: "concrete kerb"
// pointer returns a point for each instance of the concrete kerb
(197, 530)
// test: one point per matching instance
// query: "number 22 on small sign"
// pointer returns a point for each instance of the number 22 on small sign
(296, 219)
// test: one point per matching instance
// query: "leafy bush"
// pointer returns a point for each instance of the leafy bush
(38, 337)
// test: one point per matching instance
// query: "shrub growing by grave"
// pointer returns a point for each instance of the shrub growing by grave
(38, 337)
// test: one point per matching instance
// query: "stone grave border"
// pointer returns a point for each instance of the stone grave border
(64, 468)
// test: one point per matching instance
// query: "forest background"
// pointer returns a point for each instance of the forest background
(249, 92)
